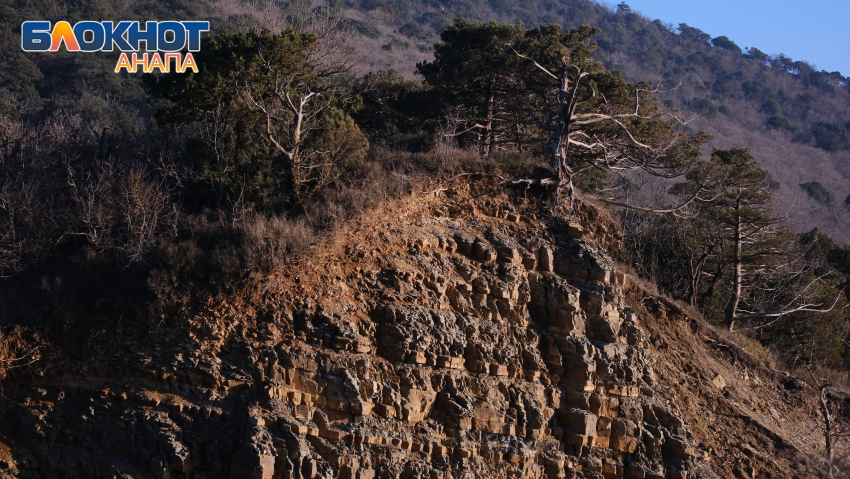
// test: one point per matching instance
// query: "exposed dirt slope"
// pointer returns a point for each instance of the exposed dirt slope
(467, 332)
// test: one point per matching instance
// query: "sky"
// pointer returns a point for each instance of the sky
(815, 31)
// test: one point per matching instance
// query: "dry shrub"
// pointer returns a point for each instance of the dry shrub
(750, 345)
(638, 280)
(270, 241)
(212, 252)
(445, 156)
(204, 255)
(122, 209)
(384, 174)
(690, 309)
(19, 349)
(147, 209)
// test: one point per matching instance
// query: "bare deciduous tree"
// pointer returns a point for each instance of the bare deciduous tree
(831, 418)
(291, 109)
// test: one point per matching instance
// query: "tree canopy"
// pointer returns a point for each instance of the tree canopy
(512, 86)
(260, 91)
(726, 44)
(479, 81)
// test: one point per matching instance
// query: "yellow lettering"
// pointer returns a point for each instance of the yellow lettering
(156, 62)
(143, 62)
(123, 62)
(63, 32)
(176, 58)
(189, 62)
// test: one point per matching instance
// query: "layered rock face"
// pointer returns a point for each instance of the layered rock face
(451, 336)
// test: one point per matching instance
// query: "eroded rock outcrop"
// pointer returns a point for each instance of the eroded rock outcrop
(458, 336)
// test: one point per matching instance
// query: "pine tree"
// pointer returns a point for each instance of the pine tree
(768, 275)
(476, 73)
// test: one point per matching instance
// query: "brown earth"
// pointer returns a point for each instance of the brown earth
(471, 331)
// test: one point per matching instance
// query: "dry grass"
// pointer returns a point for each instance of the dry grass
(690, 309)
(750, 345)
(839, 380)
(636, 278)
(271, 240)
(19, 349)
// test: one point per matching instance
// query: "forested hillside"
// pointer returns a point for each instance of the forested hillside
(793, 116)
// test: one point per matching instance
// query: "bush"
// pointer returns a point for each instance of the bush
(19, 348)
(750, 345)
(414, 31)
(396, 44)
(341, 142)
(594, 180)
(802, 137)
(213, 251)
(445, 156)
(831, 136)
(270, 241)
(726, 44)
(779, 122)
(704, 106)
(771, 107)
(363, 28)
(838, 380)
(757, 90)
(510, 163)
(817, 192)
(773, 184)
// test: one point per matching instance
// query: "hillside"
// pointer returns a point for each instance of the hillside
(467, 330)
(791, 115)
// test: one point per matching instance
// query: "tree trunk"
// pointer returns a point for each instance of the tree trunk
(695, 273)
(715, 280)
(829, 453)
(827, 428)
(485, 142)
(560, 140)
(737, 272)
(492, 146)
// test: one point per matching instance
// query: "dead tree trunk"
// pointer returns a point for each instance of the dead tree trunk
(827, 427)
(561, 129)
(485, 140)
(737, 272)
(826, 416)
(694, 275)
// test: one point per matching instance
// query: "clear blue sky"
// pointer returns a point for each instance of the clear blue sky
(816, 31)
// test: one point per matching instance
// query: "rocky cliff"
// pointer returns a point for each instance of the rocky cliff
(473, 331)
